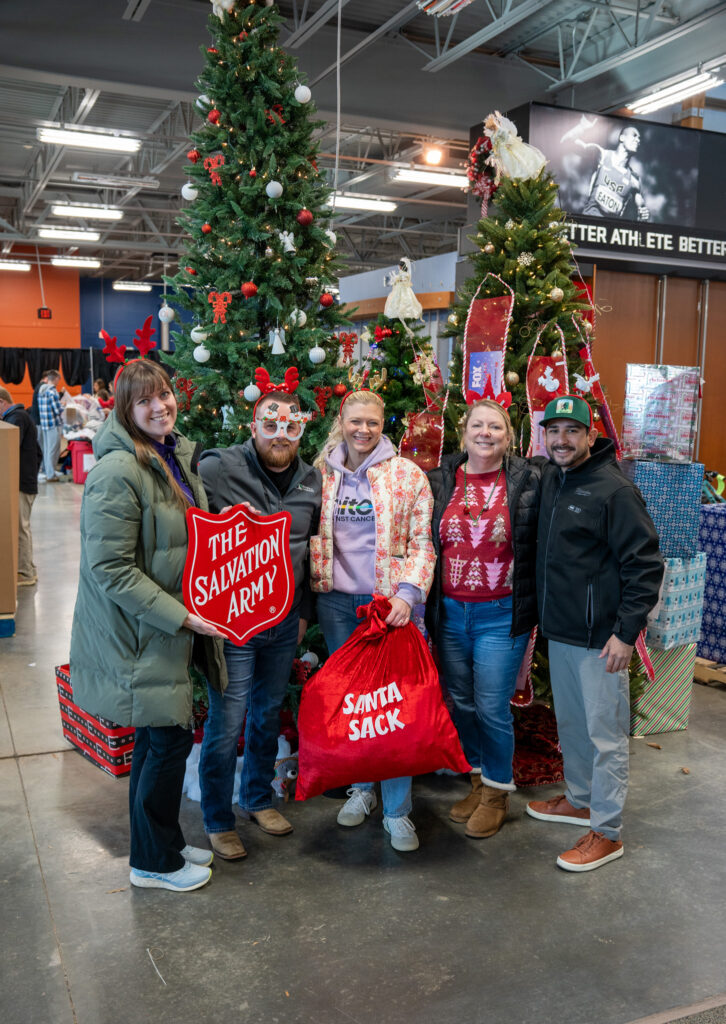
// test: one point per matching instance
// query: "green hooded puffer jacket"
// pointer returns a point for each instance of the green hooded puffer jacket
(130, 656)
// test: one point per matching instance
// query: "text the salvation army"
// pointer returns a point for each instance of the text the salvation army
(245, 573)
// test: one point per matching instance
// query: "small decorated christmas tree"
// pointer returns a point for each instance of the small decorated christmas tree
(260, 258)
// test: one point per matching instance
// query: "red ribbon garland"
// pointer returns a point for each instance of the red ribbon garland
(186, 387)
(212, 162)
(219, 302)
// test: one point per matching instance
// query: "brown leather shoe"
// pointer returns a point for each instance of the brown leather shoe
(590, 852)
(272, 822)
(489, 815)
(227, 845)
(559, 809)
(463, 809)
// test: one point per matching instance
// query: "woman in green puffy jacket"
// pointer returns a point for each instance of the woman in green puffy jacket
(133, 640)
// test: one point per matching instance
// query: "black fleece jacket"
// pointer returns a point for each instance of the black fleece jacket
(523, 483)
(599, 567)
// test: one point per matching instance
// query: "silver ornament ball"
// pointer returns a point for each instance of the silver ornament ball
(189, 191)
(317, 354)
(298, 318)
(199, 334)
(273, 189)
(251, 393)
(489, 248)
(310, 658)
(557, 295)
(201, 354)
(511, 378)
(166, 314)
(303, 94)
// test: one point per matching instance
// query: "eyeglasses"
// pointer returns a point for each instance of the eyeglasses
(291, 425)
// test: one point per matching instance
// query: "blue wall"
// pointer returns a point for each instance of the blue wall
(123, 312)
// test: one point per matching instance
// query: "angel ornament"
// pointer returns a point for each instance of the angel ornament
(401, 302)
(288, 240)
(510, 156)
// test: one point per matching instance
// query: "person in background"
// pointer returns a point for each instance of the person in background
(599, 571)
(267, 474)
(49, 414)
(99, 384)
(483, 604)
(13, 412)
(133, 640)
(375, 537)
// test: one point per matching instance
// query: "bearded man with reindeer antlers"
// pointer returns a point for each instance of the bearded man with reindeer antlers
(267, 475)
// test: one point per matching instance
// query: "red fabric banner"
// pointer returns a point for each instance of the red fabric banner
(485, 339)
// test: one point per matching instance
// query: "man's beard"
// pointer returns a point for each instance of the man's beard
(278, 457)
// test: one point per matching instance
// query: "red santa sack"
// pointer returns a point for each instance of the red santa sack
(374, 710)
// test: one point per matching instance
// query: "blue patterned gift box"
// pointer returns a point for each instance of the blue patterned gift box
(712, 540)
(672, 492)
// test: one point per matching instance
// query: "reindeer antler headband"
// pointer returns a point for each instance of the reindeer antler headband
(363, 382)
(288, 386)
(117, 353)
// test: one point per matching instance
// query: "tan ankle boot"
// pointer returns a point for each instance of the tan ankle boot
(463, 809)
(489, 815)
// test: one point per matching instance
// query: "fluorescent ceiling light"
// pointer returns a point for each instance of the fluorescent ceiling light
(75, 261)
(370, 203)
(70, 234)
(88, 212)
(670, 94)
(88, 139)
(131, 286)
(431, 178)
(113, 181)
(14, 265)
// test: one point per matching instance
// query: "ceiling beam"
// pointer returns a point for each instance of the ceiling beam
(490, 31)
(405, 14)
(316, 20)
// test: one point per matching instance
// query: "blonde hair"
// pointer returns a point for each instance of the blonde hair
(486, 403)
(136, 379)
(364, 397)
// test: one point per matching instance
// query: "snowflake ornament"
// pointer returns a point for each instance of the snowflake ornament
(510, 225)
(525, 259)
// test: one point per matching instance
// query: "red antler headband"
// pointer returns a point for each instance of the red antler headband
(358, 383)
(117, 353)
(504, 398)
(262, 379)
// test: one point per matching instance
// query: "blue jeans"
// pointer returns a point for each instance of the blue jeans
(258, 676)
(479, 665)
(337, 618)
(155, 791)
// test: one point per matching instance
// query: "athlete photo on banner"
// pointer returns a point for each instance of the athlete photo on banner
(617, 168)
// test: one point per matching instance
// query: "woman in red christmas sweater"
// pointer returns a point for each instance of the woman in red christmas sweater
(483, 603)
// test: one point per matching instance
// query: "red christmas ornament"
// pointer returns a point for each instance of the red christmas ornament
(193, 155)
(190, 270)
(212, 49)
(206, 228)
(305, 218)
(249, 288)
(253, 172)
(213, 116)
(242, 36)
(326, 299)
(339, 390)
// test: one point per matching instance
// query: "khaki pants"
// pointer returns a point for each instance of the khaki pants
(26, 566)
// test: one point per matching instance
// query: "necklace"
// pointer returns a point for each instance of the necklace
(485, 506)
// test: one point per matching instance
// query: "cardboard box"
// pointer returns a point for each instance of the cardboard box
(9, 519)
(108, 745)
(666, 701)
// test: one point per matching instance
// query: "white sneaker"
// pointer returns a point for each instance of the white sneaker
(359, 805)
(196, 855)
(402, 832)
(191, 876)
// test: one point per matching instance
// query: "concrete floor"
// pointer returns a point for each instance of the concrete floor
(332, 926)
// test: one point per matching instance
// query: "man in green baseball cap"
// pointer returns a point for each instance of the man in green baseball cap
(598, 575)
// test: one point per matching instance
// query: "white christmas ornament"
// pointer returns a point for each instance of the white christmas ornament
(402, 303)
(219, 6)
(510, 156)
(273, 189)
(251, 393)
(303, 94)
(201, 354)
(199, 334)
(317, 354)
(310, 658)
(189, 191)
(332, 237)
(288, 240)
(166, 314)
(298, 318)
(277, 340)
(203, 101)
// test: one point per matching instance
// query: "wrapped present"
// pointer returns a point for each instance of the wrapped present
(672, 492)
(712, 539)
(676, 619)
(666, 701)
(108, 745)
(661, 411)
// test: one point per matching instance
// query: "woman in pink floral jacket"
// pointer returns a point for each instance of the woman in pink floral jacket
(375, 537)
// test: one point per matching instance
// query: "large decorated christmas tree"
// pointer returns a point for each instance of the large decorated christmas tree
(260, 262)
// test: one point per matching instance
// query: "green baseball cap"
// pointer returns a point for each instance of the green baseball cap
(568, 407)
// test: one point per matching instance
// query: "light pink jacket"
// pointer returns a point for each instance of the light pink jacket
(402, 505)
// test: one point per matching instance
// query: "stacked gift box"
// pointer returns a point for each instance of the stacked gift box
(712, 538)
(106, 744)
(661, 410)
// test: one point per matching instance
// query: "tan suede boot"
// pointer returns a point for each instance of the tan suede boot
(489, 815)
(463, 809)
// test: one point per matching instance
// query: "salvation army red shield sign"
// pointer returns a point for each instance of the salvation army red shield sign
(238, 573)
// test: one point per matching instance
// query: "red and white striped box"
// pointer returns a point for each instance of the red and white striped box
(666, 701)
(106, 744)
